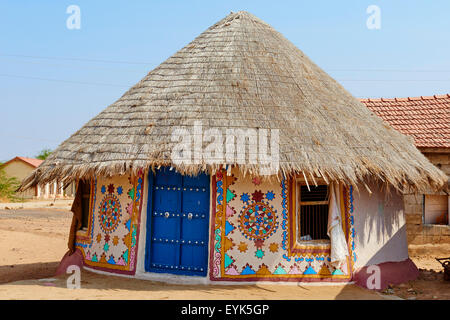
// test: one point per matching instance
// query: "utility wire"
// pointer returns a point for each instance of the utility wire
(28, 138)
(65, 81)
(128, 86)
(393, 80)
(150, 63)
(74, 66)
(75, 59)
(390, 70)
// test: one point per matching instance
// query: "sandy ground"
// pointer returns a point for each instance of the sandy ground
(94, 286)
(430, 285)
(64, 204)
(33, 241)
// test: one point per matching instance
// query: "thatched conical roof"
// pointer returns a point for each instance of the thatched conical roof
(241, 73)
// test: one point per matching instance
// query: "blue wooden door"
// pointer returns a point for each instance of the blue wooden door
(177, 223)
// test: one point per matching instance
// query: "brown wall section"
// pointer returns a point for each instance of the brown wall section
(417, 231)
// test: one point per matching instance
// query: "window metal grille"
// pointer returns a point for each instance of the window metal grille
(313, 213)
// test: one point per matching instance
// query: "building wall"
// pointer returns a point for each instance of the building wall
(380, 226)
(418, 232)
(112, 244)
(20, 170)
(373, 226)
(55, 190)
(238, 254)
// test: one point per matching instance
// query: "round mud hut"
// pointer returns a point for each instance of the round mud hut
(239, 160)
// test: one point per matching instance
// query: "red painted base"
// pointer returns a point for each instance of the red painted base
(74, 259)
(390, 273)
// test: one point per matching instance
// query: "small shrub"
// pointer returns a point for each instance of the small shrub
(8, 186)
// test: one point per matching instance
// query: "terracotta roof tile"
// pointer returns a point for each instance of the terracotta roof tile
(425, 118)
(34, 162)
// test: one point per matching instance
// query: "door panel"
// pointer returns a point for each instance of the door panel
(165, 227)
(163, 253)
(177, 223)
(192, 256)
(194, 229)
(166, 177)
(196, 202)
(166, 200)
(197, 181)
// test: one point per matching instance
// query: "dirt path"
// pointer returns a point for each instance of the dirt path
(32, 242)
(64, 204)
(430, 285)
(94, 286)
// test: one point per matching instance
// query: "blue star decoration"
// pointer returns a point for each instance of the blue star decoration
(103, 189)
(245, 197)
(119, 190)
(270, 195)
(259, 254)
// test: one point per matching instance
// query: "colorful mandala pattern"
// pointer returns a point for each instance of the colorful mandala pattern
(261, 249)
(258, 221)
(110, 212)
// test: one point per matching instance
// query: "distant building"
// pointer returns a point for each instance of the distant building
(427, 121)
(21, 167)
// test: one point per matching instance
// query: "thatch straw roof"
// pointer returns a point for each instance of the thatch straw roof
(241, 73)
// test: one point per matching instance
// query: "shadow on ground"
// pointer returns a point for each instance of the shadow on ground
(97, 286)
(18, 272)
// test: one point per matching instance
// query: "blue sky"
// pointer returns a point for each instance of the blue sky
(53, 80)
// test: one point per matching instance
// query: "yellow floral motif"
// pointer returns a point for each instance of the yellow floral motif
(243, 247)
(273, 247)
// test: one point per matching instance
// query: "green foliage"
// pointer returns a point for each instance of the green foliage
(43, 154)
(8, 186)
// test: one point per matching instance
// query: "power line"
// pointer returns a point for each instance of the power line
(29, 138)
(65, 81)
(393, 80)
(75, 59)
(390, 70)
(77, 66)
(150, 63)
(128, 86)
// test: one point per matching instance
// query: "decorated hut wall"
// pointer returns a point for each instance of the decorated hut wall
(110, 241)
(241, 252)
(237, 249)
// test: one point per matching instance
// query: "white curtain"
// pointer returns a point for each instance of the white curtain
(339, 250)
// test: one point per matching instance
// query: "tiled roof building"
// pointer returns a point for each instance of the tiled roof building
(426, 119)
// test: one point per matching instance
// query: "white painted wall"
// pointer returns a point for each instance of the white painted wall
(380, 226)
(140, 266)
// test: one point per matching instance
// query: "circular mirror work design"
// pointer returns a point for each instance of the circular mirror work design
(110, 212)
(258, 221)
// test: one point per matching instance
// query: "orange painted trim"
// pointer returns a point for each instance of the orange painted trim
(224, 220)
(295, 248)
(84, 236)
